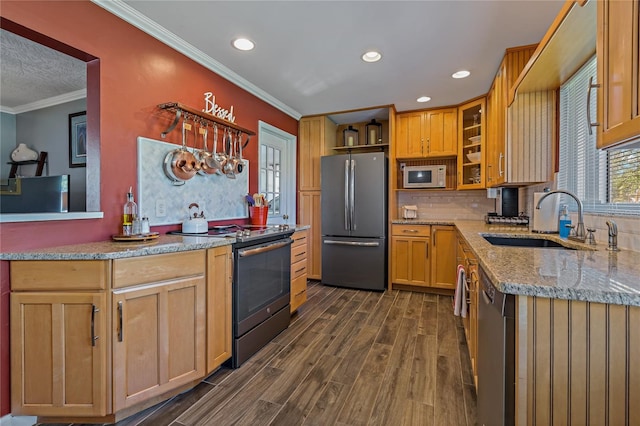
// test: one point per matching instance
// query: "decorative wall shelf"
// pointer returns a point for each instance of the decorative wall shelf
(185, 111)
(41, 162)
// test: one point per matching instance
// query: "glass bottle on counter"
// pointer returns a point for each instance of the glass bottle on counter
(130, 212)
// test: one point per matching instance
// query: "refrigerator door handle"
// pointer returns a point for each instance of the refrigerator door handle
(351, 243)
(347, 225)
(352, 200)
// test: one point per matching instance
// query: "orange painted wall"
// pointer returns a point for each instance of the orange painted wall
(137, 72)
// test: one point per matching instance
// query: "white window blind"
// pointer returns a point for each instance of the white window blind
(605, 181)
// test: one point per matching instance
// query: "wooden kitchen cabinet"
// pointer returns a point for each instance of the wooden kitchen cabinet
(219, 306)
(309, 213)
(299, 250)
(467, 259)
(410, 262)
(59, 349)
(510, 68)
(423, 256)
(423, 134)
(472, 118)
(59, 339)
(443, 257)
(158, 329)
(618, 50)
(98, 340)
(316, 137)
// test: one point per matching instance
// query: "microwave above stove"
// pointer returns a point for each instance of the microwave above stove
(425, 176)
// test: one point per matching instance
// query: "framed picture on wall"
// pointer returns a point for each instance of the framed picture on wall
(78, 139)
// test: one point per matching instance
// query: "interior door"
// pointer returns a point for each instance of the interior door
(277, 173)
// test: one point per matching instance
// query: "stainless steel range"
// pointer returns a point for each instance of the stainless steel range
(261, 284)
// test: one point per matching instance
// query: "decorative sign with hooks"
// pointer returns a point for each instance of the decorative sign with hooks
(211, 107)
(202, 117)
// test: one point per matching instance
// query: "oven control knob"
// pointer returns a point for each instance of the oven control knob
(246, 233)
(239, 233)
(268, 310)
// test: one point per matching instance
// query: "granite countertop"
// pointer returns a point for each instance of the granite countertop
(589, 273)
(104, 250)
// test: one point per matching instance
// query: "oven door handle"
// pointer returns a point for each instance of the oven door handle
(263, 249)
(351, 243)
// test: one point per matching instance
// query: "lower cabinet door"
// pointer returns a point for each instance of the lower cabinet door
(158, 339)
(443, 257)
(219, 306)
(410, 261)
(58, 354)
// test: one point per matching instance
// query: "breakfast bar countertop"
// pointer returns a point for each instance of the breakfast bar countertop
(585, 274)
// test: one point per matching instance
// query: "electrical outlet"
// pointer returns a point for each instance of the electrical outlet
(161, 208)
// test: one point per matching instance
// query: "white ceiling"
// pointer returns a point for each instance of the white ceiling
(31, 73)
(307, 55)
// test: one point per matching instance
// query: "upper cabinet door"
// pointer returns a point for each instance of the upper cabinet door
(618, 72)
(410, 135)
(442, 139)
(316, 137)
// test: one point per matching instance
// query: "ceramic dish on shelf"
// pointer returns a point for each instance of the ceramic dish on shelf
(474, 157)
(475, 139)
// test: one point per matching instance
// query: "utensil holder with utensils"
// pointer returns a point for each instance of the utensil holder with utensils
(258, 215)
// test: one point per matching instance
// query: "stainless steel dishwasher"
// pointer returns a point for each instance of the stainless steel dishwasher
(496, 355)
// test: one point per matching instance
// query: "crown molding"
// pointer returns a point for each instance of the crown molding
(140, 21)
(45, 103)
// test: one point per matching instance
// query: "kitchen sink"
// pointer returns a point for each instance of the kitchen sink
(524, 242)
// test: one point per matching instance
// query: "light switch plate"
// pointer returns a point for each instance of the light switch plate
(161, 208)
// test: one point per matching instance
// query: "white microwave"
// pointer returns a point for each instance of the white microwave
(425, 176)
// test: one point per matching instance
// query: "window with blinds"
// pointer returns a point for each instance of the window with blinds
(605, 181)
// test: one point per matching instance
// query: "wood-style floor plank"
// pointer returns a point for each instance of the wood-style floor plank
(349, 357)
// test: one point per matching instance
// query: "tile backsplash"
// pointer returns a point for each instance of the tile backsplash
(628, 226)
(474, 205)
(460, 205)
(218, 196)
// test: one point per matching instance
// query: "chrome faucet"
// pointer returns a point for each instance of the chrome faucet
(580, 234)
(613, 235)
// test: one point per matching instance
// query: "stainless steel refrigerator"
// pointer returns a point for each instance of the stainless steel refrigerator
(354, 220)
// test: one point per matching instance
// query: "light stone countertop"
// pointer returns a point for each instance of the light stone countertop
(104, 250)
(584, 274)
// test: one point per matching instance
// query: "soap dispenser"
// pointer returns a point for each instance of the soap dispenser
(563, 221)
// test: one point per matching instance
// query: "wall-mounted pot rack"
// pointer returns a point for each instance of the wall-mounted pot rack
(185, 111)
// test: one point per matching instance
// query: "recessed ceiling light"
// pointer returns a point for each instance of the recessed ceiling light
(423, 99)
(461, 74)
(371, 56)
(243, 44)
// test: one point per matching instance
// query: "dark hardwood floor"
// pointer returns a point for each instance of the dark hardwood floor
(349, 358)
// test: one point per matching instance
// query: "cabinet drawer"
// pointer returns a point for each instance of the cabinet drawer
(299, 238)
(160, 267)
(59, 275)
(299, 268)
(411, 230)
(298, 292)
(298, 253)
